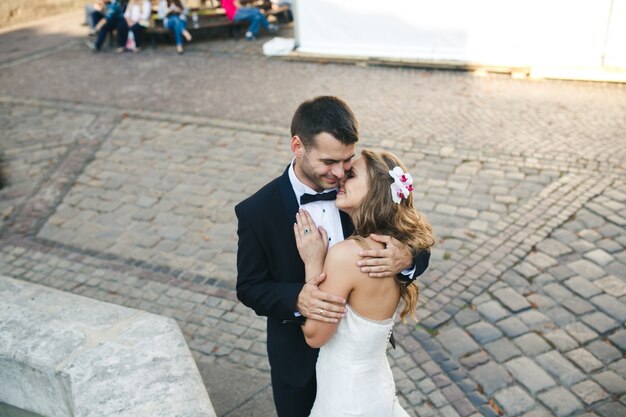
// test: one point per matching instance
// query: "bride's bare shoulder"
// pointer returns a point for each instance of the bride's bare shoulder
(344, 250)
(341, 261)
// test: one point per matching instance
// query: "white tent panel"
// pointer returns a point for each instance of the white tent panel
(495, 32)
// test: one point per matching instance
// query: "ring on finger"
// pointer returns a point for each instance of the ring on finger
(321, 311)
(306, 230)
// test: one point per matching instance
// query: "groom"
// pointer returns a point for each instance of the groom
(270, 273)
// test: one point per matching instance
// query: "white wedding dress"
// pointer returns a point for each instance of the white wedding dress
(353, 373)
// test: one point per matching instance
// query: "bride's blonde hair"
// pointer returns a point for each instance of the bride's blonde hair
(378, 214)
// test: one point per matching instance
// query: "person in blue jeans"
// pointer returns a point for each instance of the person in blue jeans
(174, 15)
(112, 19)
(93, 14)
(236, 13)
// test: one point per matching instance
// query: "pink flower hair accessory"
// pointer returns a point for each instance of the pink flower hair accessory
(402, 184)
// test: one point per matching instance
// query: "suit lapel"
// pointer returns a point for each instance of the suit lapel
(346, 224)
(288, 197)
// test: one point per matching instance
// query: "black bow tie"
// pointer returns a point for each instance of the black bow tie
(309, 198)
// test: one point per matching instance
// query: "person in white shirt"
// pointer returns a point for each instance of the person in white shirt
(137, 17)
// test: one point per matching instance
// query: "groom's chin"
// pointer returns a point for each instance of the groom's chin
(330, 184)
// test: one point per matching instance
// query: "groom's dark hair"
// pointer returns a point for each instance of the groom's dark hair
(325, 114)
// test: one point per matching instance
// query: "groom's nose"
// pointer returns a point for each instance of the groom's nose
(338, 171)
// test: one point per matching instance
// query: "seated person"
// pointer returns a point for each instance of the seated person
(137, 17)
(253, 15)
(174, 15)
(112, 19)
(93, 14)
(279, 4)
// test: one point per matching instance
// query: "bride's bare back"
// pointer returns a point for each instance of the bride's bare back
(373, 298)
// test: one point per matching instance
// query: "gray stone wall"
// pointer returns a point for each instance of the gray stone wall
(65, 355)
(20, 11)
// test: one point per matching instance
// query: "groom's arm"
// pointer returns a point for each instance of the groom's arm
(420, 261)
(397, 259)
(255, 287)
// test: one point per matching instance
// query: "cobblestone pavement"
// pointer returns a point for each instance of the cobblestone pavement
(125, 169)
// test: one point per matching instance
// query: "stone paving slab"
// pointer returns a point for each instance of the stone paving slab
(33, 142)
(125, 195)
(33, 40)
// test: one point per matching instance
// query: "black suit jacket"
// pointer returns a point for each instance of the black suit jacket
(270, 274)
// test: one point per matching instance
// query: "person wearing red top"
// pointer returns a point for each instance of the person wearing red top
(253, 15)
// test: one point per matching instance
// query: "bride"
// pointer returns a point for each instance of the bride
(353, 373)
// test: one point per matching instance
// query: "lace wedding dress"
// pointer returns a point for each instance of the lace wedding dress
(353, 373)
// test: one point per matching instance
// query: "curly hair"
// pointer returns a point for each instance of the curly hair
(378, 214)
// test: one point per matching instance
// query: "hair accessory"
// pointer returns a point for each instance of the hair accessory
(402, 184)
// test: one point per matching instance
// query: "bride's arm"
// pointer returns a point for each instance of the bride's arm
(312, 244)
(339, 281)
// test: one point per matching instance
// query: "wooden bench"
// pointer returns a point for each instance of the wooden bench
(203, 22)
(207, 18)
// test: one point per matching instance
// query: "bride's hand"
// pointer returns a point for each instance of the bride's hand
(312, 241)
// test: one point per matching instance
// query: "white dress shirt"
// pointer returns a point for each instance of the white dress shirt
(324, 213)
(137, 13)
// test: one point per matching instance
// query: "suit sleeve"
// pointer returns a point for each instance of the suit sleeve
(256, 287)
(420, 263)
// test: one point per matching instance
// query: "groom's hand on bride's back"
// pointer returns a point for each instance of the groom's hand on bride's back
(315, 304)
(388, 262)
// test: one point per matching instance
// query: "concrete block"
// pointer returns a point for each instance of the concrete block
(68, 355)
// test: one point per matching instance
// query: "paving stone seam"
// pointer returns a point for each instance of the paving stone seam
(179, 274)
(524, 238)
(113, 263)
(429, 351)
(613, 219)
(37, 55)
(179, 118)
(48, 194)
(243, 404)
(573, 165)
(583, 190)
(572, 189)
(41, 203)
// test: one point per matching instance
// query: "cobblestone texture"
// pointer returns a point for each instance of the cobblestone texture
(126, 195)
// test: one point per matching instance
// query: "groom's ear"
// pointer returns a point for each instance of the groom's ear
(297, 147)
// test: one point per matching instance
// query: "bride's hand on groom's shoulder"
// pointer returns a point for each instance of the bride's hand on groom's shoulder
(312, 241)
